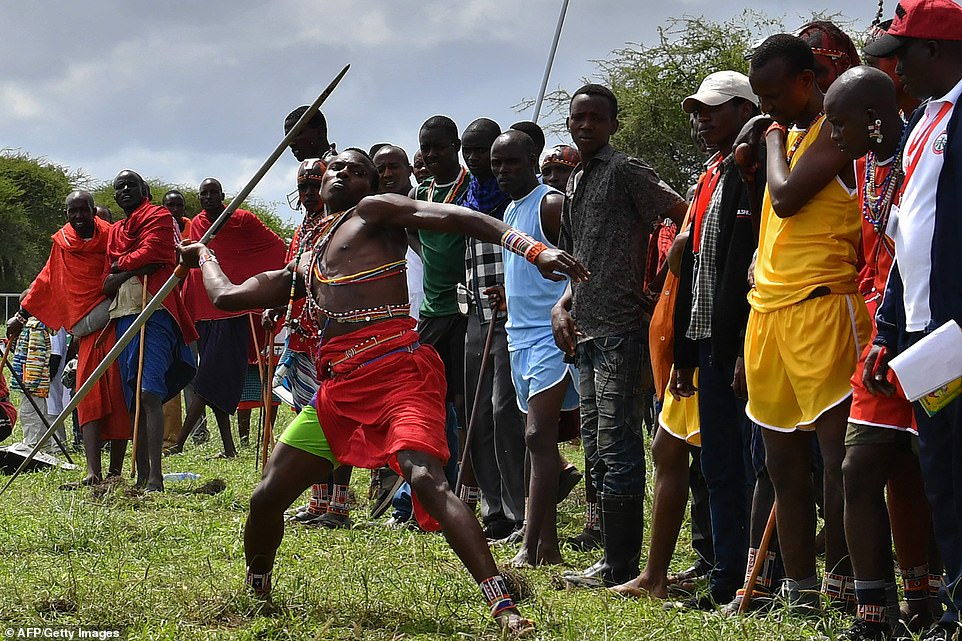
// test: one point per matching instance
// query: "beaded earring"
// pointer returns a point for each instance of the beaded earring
(875, 131)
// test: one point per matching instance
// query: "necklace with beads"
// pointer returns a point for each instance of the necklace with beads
(312, 229)
(801, 136)
(877, 199)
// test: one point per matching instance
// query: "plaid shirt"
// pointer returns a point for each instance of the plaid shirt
(705, 271)
(483, 264)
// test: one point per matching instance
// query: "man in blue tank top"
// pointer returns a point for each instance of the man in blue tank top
(544, 383)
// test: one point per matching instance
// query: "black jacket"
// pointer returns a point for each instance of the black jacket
(737, 241)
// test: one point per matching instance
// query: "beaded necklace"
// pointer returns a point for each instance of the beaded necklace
(462, 176)
(307, 322)
(877, 199)
(311, 226)
(801, 136)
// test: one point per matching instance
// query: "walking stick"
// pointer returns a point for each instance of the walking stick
(472, 421)
(260, 372)
(33, 403)
(268, 397)
(140, 380)
(759, 562)
(179, 274)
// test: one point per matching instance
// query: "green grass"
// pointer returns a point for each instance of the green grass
(171, 567)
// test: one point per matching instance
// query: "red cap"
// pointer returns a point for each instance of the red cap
(921, 20)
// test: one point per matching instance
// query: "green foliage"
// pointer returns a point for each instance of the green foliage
(32, 192)
(652, 81)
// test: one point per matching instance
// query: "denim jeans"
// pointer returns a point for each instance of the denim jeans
(612, 406)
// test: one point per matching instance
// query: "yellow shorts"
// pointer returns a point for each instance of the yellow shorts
(681, 418)
(799, 359)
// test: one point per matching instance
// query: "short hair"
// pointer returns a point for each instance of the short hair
(601, 91)
(317, 121)
(443, 124)
(795, 52)
(173, 192)
(534, 131)
(369, 164)
(376, 147)
(87, 196)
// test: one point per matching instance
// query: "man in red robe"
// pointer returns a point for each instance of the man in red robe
(141, 256)
(65, 294)
(245, 246)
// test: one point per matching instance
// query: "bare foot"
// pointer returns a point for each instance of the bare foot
(641, 588)
(549, 557)
(514, 624)
(521, 560)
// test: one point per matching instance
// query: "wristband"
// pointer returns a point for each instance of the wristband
(518, 242)
(209, 257)
(776, 127)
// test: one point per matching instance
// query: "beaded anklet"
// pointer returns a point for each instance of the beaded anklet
(495, 591)
(259, 584)
(470, 494)
(339, 500)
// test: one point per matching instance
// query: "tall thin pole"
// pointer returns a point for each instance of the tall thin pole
(547, 67)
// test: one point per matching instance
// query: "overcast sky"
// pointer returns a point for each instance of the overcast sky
(185, 90)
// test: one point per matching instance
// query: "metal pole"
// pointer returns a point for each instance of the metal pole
(547, 68)
(179, 274)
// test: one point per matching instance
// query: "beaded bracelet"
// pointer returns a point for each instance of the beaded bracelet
(518, 242)
(209, 257)
(775, 126)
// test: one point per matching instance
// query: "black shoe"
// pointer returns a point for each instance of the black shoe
(586, 541)
(704, 603)
(333, 521)
(567, 481)
(863, 630)
(501, 529)
(385, 487)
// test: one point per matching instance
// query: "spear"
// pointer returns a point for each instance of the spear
(179, 274)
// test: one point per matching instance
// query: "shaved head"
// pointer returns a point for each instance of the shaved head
(514, 137)
(483, 129)
(860, 88)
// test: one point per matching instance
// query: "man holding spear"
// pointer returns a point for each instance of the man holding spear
(382, 393)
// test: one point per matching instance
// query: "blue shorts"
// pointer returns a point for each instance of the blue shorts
(168, 363)
(540, 367)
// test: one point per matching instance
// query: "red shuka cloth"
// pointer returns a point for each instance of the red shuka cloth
(244, 246)
(67, 288)
(149, 236)
(6, 406)
(296, 342)
(394, 402)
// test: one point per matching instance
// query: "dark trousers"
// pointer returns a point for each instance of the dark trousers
(940, 457)
(725, 464)
(497, 444)
(612, 406)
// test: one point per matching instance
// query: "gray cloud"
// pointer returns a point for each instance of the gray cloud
(184, 90)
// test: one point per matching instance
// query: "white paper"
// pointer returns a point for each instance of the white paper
(934, 361)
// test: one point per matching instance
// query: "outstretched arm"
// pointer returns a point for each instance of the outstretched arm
(391, 210)
(261, 291)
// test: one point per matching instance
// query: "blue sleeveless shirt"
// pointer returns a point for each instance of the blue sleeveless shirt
(530, 297)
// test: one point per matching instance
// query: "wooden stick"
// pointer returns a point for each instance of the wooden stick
(268, 397)
(140, 380)
(260, 372)
(759, 562)
(472, 420)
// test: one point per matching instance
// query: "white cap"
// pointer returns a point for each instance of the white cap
(718, 88)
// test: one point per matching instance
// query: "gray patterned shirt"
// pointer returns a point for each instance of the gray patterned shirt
(610, 205)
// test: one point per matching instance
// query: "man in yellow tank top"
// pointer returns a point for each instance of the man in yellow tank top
(807, 323)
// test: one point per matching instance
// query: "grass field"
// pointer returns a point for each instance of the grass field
(171, 567)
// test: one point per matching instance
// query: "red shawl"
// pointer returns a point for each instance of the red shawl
(244, 247)
(69, 285)
(148, 236)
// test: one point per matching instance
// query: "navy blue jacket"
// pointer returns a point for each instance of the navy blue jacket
(945, 282)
